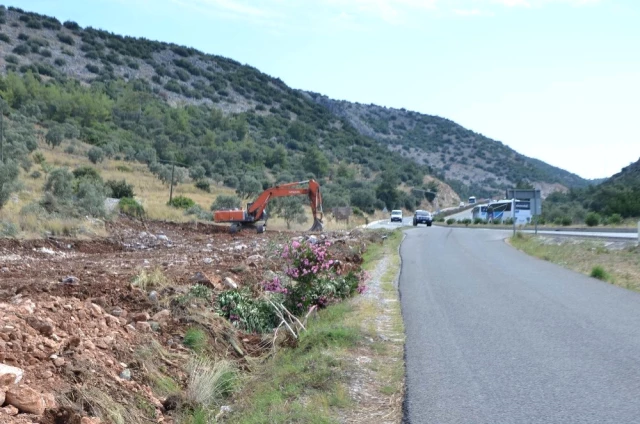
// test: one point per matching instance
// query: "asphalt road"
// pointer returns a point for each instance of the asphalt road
(495, 336)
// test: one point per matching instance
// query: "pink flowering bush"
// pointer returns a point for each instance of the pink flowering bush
(314, 280)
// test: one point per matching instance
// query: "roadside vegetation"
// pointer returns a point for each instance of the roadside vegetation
(616, 263)
(353, 348)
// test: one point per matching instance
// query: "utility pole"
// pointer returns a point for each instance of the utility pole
(1, 136)
(173, 166)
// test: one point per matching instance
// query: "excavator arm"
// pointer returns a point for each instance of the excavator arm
(255, 211)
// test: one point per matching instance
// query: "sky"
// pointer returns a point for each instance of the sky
(556, 80)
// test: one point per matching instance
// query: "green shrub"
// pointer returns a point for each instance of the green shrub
(195, 339)
(246, 312)
(60, 62)
(615, 219)
(21, 49)
(120, 189)
(4, 37)
(203, 185)
(592, 219)
(466, 221)
(35, 175)
(66, 38)
(599, 273)
(92, 68)
(451, 221)
(566, 221)
(8, 229)
(199, 213)
(70, 149)
(131, 207)
(87, 172)
(95, 155)
(91, 196)
(11, 58)
(124, 168)
(181, 202)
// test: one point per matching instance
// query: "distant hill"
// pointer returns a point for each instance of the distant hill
(156, 102)
(456, 154)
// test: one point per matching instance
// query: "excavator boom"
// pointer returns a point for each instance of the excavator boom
(256, 211)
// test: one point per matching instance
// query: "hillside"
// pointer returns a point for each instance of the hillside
(150, 102)
(473, 163)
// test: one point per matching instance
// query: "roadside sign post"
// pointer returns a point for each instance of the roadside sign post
(513, 215)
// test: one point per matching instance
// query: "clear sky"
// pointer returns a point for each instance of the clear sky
(557, 80)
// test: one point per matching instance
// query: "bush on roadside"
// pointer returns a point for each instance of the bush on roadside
(566, 221)
(451, 221)
(592, 219)
(599, 273)
(615, 219)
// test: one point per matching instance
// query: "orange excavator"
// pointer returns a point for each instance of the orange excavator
(257, 211)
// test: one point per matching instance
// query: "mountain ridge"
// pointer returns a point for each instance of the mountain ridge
(183, 76)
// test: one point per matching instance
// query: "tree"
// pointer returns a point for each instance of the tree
(95, 154)
(54, 136)
(248, 187)
(225, 202)
(60, 184)
(290, 209)
(197, 172)
(8, 180)
(316, 162)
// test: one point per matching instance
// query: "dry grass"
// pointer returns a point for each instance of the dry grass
(381, 366)
(209, 381)
(622, 265)
(154, 279)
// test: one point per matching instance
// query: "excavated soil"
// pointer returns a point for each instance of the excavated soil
(71, 318)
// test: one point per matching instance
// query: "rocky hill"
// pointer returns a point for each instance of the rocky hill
(456, 154)
(358, 146)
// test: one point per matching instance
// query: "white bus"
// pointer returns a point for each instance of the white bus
(479, 211)
(472, 200)
(502, 210)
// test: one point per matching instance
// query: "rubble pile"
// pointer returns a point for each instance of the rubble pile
(74, 321)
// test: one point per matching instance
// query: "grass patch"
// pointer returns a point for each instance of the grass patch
(303, 384)
(195, 339)
(599, 273)
(621, 267)
(154, 279)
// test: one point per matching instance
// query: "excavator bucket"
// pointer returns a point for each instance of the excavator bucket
(317, 225)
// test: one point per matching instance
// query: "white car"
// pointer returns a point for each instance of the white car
(396, 215)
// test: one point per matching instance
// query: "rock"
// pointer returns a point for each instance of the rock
(140, 316)
(90, 420)
(199, 278)
(154, 325)
(143, 326)
(16, 372)
(49, 401)
(230, 283)
(58, 362)
(313, 239)
(269, 275)
(207, 261)
(126, 374)
(43, 327)
(153, 296)
(9, 410)
(162, 316)
(25, 399)
(46, 374)
(116, 312)
(163, 237)
(70, 279)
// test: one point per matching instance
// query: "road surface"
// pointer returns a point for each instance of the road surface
(495, 336)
